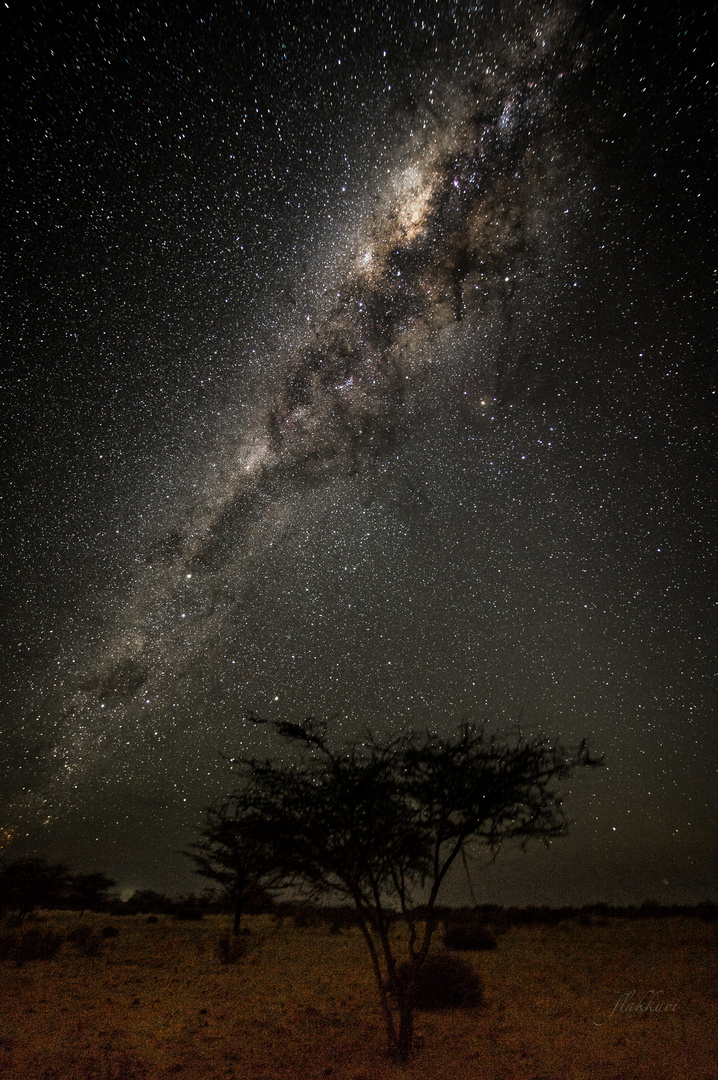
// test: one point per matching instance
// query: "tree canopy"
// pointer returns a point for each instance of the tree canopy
(235, 852)
(31, 882)
(380, 824)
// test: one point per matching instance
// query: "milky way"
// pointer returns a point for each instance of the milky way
(436, 277)
(426, 479)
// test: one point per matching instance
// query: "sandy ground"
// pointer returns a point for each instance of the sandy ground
(628, 999)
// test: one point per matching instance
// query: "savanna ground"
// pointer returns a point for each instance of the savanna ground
(157, 1002)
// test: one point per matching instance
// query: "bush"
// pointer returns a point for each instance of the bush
(446, 982)
(30, 944)
(468, 937)
(88, 941)
(339, 919)
(307, 917)
(188, 914)
(230, 948)
(111, 931)
(79, 935)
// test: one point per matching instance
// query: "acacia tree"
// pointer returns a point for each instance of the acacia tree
(236, 851)
(31, 882)
(90, 890)
(380, 824)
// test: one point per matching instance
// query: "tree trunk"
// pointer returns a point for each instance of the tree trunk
(404, 1043)
(238, 909)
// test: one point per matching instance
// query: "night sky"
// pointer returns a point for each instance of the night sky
(358, 360)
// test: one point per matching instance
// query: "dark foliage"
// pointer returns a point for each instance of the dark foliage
(89, 891)
(235, 852)
(378, 825)
(307, 917)
(468, 937)
(29, 883)
(34, 943)
(148, 902)
(86, 938)
(80, 934)
(445, 982)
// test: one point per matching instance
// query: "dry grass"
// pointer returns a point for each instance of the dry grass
(156, 1002)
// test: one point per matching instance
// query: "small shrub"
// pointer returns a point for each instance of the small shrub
(79, 935)
(93, 946)
(87, 940)
(110, 931)
(152, 919)
(30, 944)
(468, 937)
(230, 948)
(447, 982)
(306, 918)
(339, 919)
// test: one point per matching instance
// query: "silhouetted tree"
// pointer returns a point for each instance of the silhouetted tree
(29, 882)
(380, 824)
(147, 902)
(236, 852)
(90, 890)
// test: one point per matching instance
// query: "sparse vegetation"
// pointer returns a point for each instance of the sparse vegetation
(87, 939)
(29, 882)
(445, 982)
(89, 891)
(468, 937)
(235, 852)
(32, 943)
(161, 1003)
(379, 825)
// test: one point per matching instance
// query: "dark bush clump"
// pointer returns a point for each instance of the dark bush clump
(339, 919)
(447, 982)
(31, 944)
(87, 940)
(307, 917)
(80, 934)
(152, 919)
(109, 931)
(468, 937)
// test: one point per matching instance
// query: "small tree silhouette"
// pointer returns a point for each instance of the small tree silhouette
(90, 890)
(235, 851)
(380, 825)
(29, 882)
